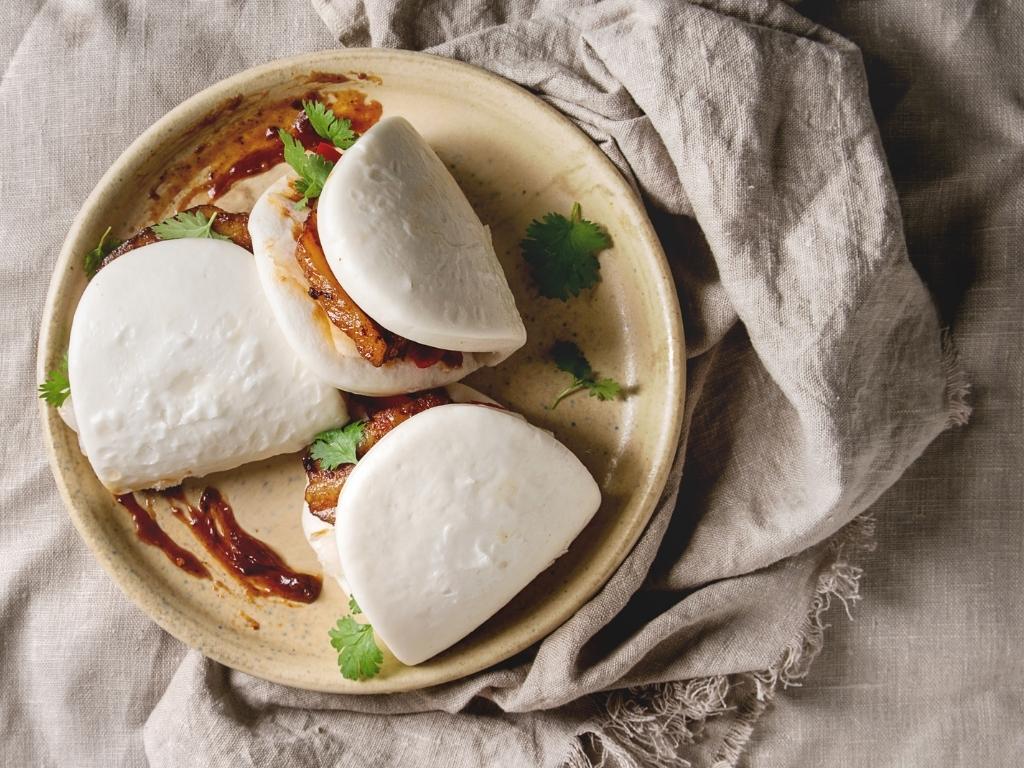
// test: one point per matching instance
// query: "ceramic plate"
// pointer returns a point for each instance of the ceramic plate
(516, 158)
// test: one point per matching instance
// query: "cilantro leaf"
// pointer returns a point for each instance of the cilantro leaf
(312, 168)
(337, 130)
(95, 257)
(57, 387)
(187, 224)
(353, 606)
(335, 447)
(359, 657)
(568, 357)
(562, 253)
(604, 389)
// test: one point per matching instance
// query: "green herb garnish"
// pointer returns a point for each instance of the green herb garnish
(312, 168)
(359, 657)
(186, 224)
(562, 253)
(335, 447)
(95, 257)
(57, 387)
(569, 358)
(337, 130)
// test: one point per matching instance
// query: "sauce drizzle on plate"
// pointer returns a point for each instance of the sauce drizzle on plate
(252, 562)
(257, 149)
(150, 532)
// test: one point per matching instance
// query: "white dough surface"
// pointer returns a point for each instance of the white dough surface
(179, 369)
(406, 244)
(449, 516)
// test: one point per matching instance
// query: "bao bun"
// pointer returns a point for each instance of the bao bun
(178, 370)
(485, 503)
(403, 242)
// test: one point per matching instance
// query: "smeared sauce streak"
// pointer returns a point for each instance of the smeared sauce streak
(262, 152)
(260, 160)
(253, 563)
(149, 532)
(354, 105)
(256, 566)
(336, 77)
(327, 77)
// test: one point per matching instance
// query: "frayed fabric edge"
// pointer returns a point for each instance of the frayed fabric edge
(649, 726)
(958, 388)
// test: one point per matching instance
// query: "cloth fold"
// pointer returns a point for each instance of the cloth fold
(816, 377)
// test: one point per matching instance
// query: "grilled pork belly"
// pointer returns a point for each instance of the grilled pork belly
(375, 344)
(234, 226)
(382, 414)
(370, 339)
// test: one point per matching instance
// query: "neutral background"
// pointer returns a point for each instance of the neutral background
(930, 672)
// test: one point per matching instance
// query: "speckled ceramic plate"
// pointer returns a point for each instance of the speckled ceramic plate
(516, 158)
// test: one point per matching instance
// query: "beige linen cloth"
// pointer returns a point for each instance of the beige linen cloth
(816, 376)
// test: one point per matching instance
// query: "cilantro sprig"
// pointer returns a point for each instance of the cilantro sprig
(95, 257)
(312, 168)
(562, 253)
(337, 130)
(57, 387)
(359, 658)
(186, 224)
(335, 447)
(568, 357)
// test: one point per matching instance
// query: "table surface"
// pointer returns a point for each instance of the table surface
(930, 671)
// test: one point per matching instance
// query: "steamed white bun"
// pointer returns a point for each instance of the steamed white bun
(403, 240)
(485, 502)
(274, 225)
(178, 368)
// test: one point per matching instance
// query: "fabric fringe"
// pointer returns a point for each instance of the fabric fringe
(839, 581)
(650, 724)
(735, 740)
(958, 388)
(647, 727)
(577, 756)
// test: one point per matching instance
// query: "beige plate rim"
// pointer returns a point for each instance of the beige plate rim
(361, 59)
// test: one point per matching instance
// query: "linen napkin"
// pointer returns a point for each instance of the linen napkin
(817, 374)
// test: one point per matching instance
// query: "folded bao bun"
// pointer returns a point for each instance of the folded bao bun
(320, 534)
(178, 369)
(401, 239)
(405, 242)
(485, 503)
